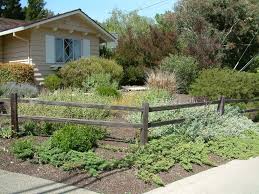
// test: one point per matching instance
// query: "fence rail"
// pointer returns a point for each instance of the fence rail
(144, 110)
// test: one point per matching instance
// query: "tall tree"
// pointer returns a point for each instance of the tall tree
(36, 10)
(11, 9)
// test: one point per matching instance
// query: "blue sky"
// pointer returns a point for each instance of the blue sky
(100, 9)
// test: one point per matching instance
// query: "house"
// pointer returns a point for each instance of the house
(49, 43)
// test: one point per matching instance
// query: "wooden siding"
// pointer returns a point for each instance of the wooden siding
(15, 49)
(64, 26)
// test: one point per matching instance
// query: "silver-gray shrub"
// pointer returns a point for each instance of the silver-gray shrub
(22, 89)
(202, 122)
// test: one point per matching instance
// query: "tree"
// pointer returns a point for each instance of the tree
(11, 9)
(35, 10)
(120, 22)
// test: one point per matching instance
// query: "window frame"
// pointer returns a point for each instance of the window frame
(63, 47)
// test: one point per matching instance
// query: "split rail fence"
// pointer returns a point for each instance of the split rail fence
(144, 110)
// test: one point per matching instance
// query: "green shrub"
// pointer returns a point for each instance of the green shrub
(213, 83)
(78, 138)
(107, 91)
(134, 75)
(16, 72)
(6, 133)
(23, 149)
(98, 80)
(52, 82)
(184, 68)
(40, 128)
(203, 122)
(22, 90)
(76, 72)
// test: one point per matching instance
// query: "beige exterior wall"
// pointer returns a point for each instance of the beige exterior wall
(15, 49)
(62, 29)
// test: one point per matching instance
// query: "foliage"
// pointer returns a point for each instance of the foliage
(77, 138)
(184, 68)
(162, 154)
(76, 72)
(108, 91)
(99, 80)
(11, 9)
(52, 82)
(133, 75)
(162, 80)
(120, 21)
(67, 95)
(6, 133)
(40, 128)
(23, 149)
(243, 147)
(214, 83)
(72, 160)
(35, 10)
(203, 122)
(16, 72)
(22, 90)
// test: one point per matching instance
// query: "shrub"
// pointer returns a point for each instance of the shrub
(203, 122)
(162, 80)
(107, 91)
(97, 80)
(213, 83)
(22, 89)
(6, 133)
(23, 149)
(133, 75)
(52, 82)
(184, 68)
(40, 128)
(76, 72)
(78, 138)
(16, 72)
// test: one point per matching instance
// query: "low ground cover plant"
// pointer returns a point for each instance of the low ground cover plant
(16, 72)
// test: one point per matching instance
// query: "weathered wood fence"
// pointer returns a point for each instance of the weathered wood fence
(144, 110)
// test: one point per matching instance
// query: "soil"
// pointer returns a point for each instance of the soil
(113, 182)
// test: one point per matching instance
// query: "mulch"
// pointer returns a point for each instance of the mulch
(113, 182)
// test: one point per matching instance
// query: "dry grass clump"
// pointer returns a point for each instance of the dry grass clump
(162, 80)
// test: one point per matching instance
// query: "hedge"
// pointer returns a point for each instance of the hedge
(16, 72)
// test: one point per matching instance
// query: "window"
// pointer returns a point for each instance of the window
(67, 50)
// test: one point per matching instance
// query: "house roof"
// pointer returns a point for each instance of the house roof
(8, 26)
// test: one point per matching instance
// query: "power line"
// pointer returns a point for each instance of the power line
(152, 5)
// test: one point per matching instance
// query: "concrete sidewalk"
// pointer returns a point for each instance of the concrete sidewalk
(14, 183)
(236, 177)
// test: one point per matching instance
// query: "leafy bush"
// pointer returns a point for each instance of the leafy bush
(23, 149)
(108, 91)
(52, 82)
(203, 122)
(162, 80)
(78, 138)
(213, 83)
(16, 72)
(40, 128)
(133, 75)
(184, 68)
(99, 80)
(22, 89)
(76, 72)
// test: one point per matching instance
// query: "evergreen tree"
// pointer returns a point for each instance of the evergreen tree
(11, 9)
(35, 10)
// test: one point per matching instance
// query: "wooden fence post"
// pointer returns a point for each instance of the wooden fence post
(221, 106)
(14, 113)
(144, 130)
